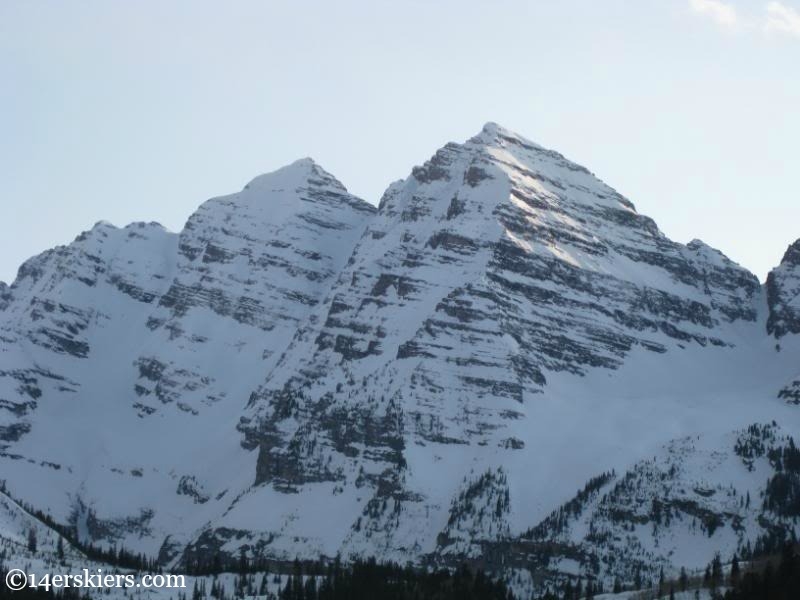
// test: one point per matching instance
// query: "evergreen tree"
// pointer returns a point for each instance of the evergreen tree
(32, 540)
(295, 582)
(568, 591)
(311, 588)
(716, 571)
(242, 560)
(770, 584)
(735, 570)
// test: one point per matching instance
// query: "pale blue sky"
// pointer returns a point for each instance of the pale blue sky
(129, 111)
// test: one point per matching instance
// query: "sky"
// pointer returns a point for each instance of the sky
(139, 111)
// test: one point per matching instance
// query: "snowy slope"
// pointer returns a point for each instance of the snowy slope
(298, 374)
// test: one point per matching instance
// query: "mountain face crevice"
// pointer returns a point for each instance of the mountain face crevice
(298, 373)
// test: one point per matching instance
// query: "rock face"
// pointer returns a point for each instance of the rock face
(298, 373)
(783, 294)
(783, 300)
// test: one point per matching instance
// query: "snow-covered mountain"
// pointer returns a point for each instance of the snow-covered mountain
(299, 374)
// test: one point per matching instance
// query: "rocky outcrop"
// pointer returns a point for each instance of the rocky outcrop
(783, 294)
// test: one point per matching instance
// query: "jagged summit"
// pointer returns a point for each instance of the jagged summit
(103, 227)
(490, 132)
(493, 133)
(792, 254)
(712, 255)
(502, 154)
(301, 173)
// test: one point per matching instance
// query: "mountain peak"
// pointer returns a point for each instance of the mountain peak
(499, 154)
(302, 173)
(792, 254)
(306, 161)
(493, 134)
(492, 128)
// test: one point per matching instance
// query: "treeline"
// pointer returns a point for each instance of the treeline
(217, 563)
(557, 521)
(368, 580)
(118, 557)
(782, 495)
(772, 579)
(361, 580)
